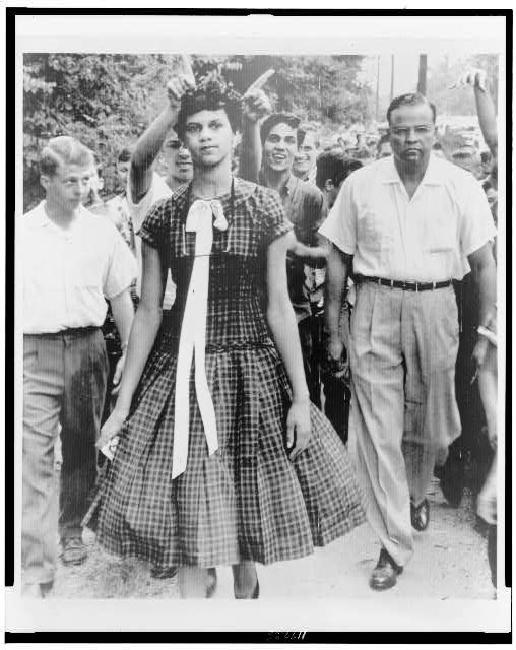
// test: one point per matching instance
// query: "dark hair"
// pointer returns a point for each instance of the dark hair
(334, 166)
(64, 150)
(437, 146)
(409, 99)
(289, 119)
(125, 154)
(211, 94)
(302, 132)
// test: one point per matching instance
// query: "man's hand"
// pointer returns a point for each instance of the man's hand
(334, 361)
(475, 77)
(479, 352)
(118, 373)
(180, 83)
(256, 104)
(298, 427)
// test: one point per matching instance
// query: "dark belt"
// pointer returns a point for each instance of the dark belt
(70, 331)
(402, 284)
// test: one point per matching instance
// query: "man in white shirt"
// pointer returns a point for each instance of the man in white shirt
(410, 224)
(72, 261)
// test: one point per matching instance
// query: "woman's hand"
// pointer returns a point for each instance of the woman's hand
(298, 427)
(112, 427)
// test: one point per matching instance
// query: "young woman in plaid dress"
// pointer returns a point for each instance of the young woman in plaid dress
(259, 475)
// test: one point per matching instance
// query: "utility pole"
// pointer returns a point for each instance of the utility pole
(421, 75)
(392, 77)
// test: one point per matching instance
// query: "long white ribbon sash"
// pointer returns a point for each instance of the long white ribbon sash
(193, 336)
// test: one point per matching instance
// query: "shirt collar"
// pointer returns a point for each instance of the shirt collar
(434, 173)
(288, 186)
(40, 218)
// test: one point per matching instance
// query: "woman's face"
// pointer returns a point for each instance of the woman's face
(209, 137)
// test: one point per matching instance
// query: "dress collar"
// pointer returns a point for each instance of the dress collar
(434, 174)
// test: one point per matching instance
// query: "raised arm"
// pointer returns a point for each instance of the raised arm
(486, 112)
(256, 106)
(282, 322)
(152, 140)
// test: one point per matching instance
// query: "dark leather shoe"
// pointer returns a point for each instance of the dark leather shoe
(420, 516)
(74, 551)
(163, 573)
(385, 574)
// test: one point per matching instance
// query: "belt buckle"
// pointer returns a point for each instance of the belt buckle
(416, 285)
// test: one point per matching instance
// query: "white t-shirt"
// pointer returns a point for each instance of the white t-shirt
(68, 274)
(158, 190)
(425, 238)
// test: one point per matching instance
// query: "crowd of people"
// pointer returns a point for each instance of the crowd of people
(219, 331)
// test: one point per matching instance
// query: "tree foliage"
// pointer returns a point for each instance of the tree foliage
(106, 100)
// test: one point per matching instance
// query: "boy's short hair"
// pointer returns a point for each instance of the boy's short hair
(211, 94)
(125, 155)
(335, 167)
(410, 99)
(64, 150)
(289, 119)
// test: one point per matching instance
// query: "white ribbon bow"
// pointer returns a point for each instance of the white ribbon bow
(193, 336)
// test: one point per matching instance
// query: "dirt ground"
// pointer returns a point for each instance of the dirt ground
(450, 561)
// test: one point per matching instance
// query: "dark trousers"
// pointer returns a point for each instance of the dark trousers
(64, 382)
(336, 392)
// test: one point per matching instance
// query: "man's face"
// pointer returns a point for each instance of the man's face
(122, 169)
(385, 150)
(177, 158)
(412, 133)
(305, 158)
(209, 138)
(70, 185)
(280, 148)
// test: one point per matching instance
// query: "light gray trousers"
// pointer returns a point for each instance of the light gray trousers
(403, 349)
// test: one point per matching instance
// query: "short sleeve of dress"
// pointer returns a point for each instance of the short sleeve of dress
(154, 227)
(274, 222)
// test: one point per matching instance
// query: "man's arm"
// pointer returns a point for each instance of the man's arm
(256, 106)
(145, 152)
(151, 141)
(485, 106)
(483, 269)
(337, 271)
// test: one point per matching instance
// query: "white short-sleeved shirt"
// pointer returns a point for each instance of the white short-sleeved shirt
(426, 238)
(68, 274)
(158, 190)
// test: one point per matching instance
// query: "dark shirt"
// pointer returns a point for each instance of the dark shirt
(305, 207)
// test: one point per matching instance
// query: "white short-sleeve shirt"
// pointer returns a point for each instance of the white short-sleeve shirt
(425, 238)
(68, 274)
(158, 190)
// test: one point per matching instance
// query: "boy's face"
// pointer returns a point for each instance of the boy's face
(209, 137)
(69, 186)
(280, 148)
(306, 156)
(177, 158)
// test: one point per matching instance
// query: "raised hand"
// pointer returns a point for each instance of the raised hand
(256, 102)
(474, 77)
(180, 83)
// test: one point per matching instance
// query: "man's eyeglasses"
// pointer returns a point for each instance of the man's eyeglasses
(420, 129)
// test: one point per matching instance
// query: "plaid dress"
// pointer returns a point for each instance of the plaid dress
(247, 501)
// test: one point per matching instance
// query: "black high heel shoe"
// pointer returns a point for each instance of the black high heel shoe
(254, 596)
(212, 583)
